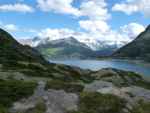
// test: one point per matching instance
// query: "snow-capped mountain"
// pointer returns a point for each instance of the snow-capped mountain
(68, 48)
(94, 44)
(73, 47)
(99, 44)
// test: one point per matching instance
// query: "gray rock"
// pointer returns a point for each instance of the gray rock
(60, 101)
(137, 92)
(97, 85)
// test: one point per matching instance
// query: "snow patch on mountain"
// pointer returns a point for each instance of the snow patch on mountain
(94, 44)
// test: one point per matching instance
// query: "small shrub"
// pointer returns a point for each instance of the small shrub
(39, 108)
(99, 103)
(144, 84)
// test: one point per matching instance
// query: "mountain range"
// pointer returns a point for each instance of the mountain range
(138, 49)
(94, 44)
(71, 48)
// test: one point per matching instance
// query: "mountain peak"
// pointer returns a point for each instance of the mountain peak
(65, 48)
(71, 39)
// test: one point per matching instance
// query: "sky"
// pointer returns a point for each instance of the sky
(108, 20)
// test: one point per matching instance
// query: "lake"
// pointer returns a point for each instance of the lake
(141, 68)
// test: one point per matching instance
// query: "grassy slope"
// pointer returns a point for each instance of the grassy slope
(50, 52)
(99, 103)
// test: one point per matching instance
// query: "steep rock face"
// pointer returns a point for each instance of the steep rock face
(139, 48)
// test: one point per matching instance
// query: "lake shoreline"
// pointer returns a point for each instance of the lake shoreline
(111, 59)
(137, 66)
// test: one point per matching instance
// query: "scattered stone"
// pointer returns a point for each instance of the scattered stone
(56, 101)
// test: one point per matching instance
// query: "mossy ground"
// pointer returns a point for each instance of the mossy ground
(142, 107)
(68, 87)
(39, 108)
(99, 103)
(13, 90)
(65, 73)
(143, 84)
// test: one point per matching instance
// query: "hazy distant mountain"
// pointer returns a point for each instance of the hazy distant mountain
(73, 47)
(106, 51)
(97, 45)
(139, 48)
(94, 44)
(65, 48)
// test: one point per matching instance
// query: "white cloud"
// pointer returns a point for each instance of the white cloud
(10, 27)
(133, 6)
(128, 9)
(97, 13)
(125, 33)
(98, 27)
(95, 9)
(54, 34)
(94, 26)
(16, 8)
(58, 6)
(132, 30)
